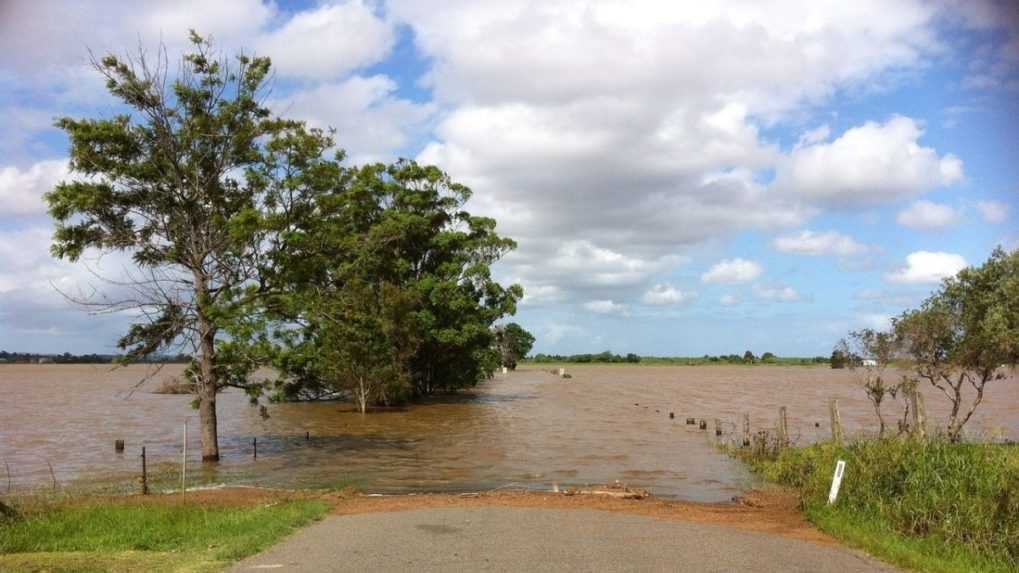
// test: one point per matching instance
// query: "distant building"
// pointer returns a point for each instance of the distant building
(868, 362)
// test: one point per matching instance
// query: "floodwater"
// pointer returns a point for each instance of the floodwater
(528, 428)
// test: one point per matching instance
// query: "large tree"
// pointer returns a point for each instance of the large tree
(397, 239)
(966, 334)
(182, 181)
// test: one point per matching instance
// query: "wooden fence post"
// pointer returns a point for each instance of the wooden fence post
(919, 413)
(254, 448)
(718, 427)
(836, 423)
(746, 429)
(184, 461)
(145, 474)
(783, 428)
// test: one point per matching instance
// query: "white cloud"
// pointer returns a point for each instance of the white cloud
(554, 332)
(606, 307)
(21, 190)
(39, 37)
(328, 41)
(813, 136)
(371, 122)
(579, 133)
(729, 300)
(928, 267)
(535, 294)
(776, 293)
(993, 211)
(733, 271)
(868, 164)
(815, 243)
(666, 294)
(927, 215)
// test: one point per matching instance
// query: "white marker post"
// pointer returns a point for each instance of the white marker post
(836, 481)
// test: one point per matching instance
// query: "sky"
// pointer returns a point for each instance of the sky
(682, 178)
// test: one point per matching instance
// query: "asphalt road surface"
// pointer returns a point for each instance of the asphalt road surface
(527, 539)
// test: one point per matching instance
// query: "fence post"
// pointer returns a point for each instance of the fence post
(254, 448)
(836, 423)
(718, 427)
(783, 428)
(919, 412)
(746, 429)
(145, 474)
(184, 461)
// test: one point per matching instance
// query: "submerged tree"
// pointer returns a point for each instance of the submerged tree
(513, 343)
(180, 183)
(966, 334)
(395, 238)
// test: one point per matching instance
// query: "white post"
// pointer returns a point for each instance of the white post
(836, 481)
(184, 460)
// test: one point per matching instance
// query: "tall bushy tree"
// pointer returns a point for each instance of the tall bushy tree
(396, 238)
(966, 333)
(182, 182)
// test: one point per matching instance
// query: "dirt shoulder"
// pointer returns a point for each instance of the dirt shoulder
(774, 511)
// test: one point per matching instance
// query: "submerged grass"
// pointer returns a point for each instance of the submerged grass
(928, 505)
(123, 534)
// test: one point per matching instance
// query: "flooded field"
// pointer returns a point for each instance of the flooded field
(525, 429)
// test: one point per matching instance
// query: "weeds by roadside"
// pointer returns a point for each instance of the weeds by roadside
(927, 504)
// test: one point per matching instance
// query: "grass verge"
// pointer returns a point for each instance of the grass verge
(924, 505)
(146, 535)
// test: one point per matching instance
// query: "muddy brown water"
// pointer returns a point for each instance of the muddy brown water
(525, 429)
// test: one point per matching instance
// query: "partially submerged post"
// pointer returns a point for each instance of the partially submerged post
(145, 474)
(836, 423)
(746, 429)
(118, 446)
(783, 428)
(254, 448)
(184, 461)
(703, 424)
(718, 427)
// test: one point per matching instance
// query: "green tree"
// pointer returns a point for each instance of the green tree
(749, 357)
(513, 343)
(401, 225)
(966, 334)
(178, 183)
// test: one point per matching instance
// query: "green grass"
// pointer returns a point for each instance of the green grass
(926, 505)
(118, 535)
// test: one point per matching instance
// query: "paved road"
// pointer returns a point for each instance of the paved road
(525, 539)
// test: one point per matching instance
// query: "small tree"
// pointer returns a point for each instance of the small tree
(749, 357)
(966, 333)
(876, 350)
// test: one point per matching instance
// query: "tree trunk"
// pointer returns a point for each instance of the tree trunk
(207, 386)
(362, 395)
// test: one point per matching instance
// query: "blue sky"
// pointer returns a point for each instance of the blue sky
(682, 178)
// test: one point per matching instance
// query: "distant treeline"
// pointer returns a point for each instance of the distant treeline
(747, 357)
(68, 358)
